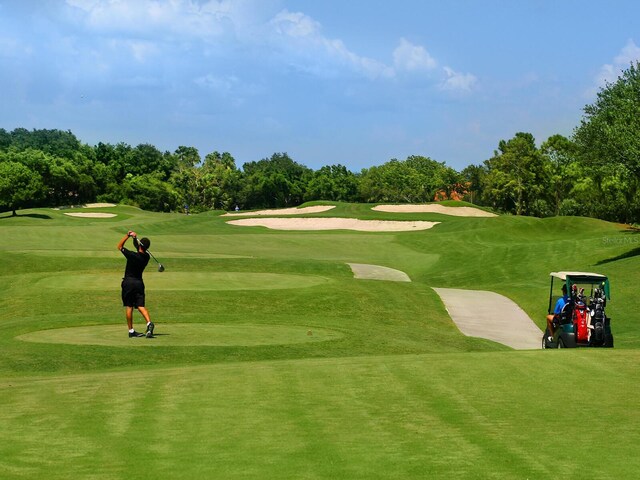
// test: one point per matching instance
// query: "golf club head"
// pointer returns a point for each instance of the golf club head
(160, 267)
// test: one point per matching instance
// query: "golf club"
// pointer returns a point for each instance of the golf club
(160, 266)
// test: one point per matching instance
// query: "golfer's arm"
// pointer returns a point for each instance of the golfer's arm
(122, 242)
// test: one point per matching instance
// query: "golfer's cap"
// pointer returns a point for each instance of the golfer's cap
(145, 243)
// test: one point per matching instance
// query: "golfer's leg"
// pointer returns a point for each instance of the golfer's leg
(550, 324)
(129, 314)
(143, 311)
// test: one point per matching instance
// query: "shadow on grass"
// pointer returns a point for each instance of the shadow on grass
(631, 253)
(41, 216)
(629, 238)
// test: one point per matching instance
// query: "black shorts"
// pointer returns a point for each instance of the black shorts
(132, 292)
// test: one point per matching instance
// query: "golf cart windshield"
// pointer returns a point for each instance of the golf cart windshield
(589, 281)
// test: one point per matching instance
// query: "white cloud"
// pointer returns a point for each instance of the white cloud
(296, 24)
(630, 53)
(183, 17)
(415, 59)
(412, 58)
(609, 73)
(147, 28)
(298, 33)
(458, 82)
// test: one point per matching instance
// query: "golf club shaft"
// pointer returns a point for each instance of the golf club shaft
(138, 243)
(153, 257)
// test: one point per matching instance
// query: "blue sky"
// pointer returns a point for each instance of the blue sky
(327, 81)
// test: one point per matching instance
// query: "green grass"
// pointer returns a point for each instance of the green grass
(185, 334)
(272, 361)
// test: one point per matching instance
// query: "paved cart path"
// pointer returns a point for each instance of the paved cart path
(492, 316)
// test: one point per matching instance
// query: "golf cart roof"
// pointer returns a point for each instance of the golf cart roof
(579, 276)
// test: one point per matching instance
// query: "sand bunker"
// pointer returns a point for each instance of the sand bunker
(364, 271)
(333, 224)
(91, 214)
(435, 208)
(99, 205)
(282, 211)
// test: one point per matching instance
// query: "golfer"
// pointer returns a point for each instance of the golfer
(132, 283)
(562, 301)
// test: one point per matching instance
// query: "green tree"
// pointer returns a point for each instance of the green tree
(19, 186)
(434, 176)
(187, 157)
(221, 181)
(609, 132)
(516, 176)
(608, 140)
(147, 159)
(5, 139)
(333, 182)
(54, 142)
(150, 192)
(473, 177)
(65, 182)
(417, 179)
(561, 154)
(274, 182)
(394, 181)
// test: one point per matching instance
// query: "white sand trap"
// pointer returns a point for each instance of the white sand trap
(365, 271)
(282, 211)
(435, 208)
(99, 205)
(91, 214)
(333, 224)
(492, 316)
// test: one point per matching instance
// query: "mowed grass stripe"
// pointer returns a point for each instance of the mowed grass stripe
(442, 416)
(191, 281)
(112, 253)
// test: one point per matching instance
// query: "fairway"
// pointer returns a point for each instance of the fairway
(308, 354)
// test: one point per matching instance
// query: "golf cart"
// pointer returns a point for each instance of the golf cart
(582, 321)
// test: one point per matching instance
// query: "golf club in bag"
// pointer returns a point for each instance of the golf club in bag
(160, 266)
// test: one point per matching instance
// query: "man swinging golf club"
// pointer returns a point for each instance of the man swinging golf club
(132, 283)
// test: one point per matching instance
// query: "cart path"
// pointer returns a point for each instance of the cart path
(492, 316)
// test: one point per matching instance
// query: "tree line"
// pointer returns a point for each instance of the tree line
(593, 173)
(49, 168)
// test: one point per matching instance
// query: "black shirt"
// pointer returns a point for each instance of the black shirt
(136, 263)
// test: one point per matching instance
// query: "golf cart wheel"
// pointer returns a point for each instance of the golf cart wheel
(545, 342)
(608, 341)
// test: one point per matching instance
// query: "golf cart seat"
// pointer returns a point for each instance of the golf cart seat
(566, 314)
